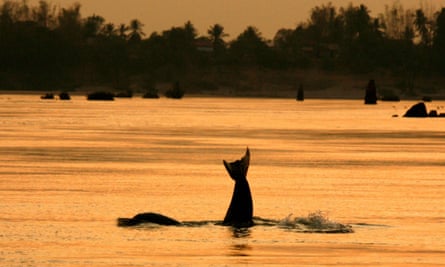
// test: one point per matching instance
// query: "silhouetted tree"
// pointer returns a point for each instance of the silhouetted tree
(439, 37)
(45, 14)
(109, 30)
(217, 34)
(70, 26)
(179, 47)
(190, 31)
(439, 42)
(250, 48)
(423, 26)
(324, 24)
(153, 52)
(361, 38)
(136, 32)
(123, 31)
(396, 21)
(93, 26)
(45, 45)
(6, 15)
(285, 46)
(289, 44)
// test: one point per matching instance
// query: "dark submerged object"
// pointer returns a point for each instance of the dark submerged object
(427, 99)
(391, 98)
(107, 96)
(300, 93)
(64, 96)
(238, 215)
(47, 96)
(151, 93)
(371, 93)
(176, 92)
(125, 94)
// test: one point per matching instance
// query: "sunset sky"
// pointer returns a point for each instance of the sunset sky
(235, 15)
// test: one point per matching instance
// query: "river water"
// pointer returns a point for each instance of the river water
(70, 169)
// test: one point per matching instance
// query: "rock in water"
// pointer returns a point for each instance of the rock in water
(64, 96)
(107, 96)
(417, 111)
(300, 93)
(176, 92)
(371, 93)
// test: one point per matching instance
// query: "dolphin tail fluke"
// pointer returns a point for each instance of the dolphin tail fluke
(238, 169)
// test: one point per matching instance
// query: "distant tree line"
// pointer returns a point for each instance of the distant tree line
(43, 46)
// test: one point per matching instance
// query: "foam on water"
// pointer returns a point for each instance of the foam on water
(315, 222)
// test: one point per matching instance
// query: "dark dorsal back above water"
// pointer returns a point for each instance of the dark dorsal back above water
(240, 211)
(148, 217)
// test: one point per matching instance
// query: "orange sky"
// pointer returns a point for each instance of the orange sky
(235, 15)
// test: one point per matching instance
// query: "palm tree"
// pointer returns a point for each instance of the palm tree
(123, 31)
(216, 33)
(109, 30)
(136, 32)
(421, 23)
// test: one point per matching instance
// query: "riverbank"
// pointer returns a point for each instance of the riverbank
(316, 84)
(255, 82)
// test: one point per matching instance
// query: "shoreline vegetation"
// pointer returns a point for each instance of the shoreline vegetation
(326, 87)
(46, 48)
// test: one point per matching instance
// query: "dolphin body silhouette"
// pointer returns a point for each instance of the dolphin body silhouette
(238, 215)
(240, 211)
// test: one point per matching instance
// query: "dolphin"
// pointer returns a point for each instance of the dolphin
(240, 211)
(238, 215)
(148, 217)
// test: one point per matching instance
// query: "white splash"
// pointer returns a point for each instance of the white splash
(315, 222)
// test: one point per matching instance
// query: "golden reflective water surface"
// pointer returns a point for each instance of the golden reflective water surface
(70, 169)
